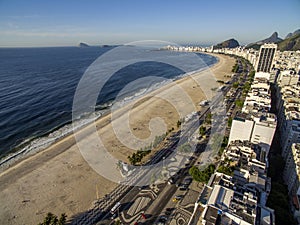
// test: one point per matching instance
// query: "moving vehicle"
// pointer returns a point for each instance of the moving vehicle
(115, 208)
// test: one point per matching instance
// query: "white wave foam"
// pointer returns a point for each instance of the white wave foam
(40, 143)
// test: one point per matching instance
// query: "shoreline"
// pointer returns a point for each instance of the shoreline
(65, 171)
(23, 151)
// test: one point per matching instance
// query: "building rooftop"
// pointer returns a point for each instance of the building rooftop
(263, 117)
(211, 215)
(221, 197)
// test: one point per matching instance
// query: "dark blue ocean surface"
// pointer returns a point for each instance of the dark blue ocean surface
(37, 87)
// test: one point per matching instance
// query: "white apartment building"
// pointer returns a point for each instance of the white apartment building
(266, 58)
(255, 123)
(229, 201)
(258, 128)
(290, 133)
(288, 60)
(288, 78)
(247, 153)
(291, 175)
(288, 107)
(258, 98)
(292, 169)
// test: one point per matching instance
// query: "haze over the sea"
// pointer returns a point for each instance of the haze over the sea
(67, 23)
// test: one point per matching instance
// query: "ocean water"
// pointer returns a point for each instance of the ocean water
(37, 87)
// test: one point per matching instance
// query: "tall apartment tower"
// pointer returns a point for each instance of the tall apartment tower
(266, 57)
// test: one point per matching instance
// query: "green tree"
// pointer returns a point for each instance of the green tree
(117, 222)
(235, 84)
(52, 219)
(235, 68)
(208, 118)
(229, 122)
(63, 219)
(202, 175)
(239, 103)
(252, 74)
(246, 87)
(137, 157)
(202, 130)
(223, 145)
(225, 141)
(178, 123)
(226, 170)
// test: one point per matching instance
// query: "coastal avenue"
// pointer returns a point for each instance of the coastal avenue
(159, 198)
(161, 201)
(101, 210)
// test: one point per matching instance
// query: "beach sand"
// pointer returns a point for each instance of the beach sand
(59, 180)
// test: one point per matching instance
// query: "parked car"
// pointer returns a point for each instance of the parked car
(162, 220)
(177, 198)
(184, 187)
(113, 216)
(187, 181)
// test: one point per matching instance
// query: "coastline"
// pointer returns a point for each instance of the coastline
(35, 144)
(61, 172)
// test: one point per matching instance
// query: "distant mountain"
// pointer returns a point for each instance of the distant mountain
(288, 35)
(292, 34)
(296, 32)
(82, 45)
(290, 44)
(104, 46)
(231, 43)
(272, 39)
(253, 45)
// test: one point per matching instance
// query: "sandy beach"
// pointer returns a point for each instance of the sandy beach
(59, 180)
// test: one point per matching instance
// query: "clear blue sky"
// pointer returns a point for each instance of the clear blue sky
(66, 23)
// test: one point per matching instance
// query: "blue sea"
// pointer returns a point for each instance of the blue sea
(37, 87)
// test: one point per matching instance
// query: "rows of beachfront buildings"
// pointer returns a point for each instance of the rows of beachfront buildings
(283, 60)
(240, 197)
(288, 107)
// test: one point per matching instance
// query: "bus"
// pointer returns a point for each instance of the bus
(115, 208)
